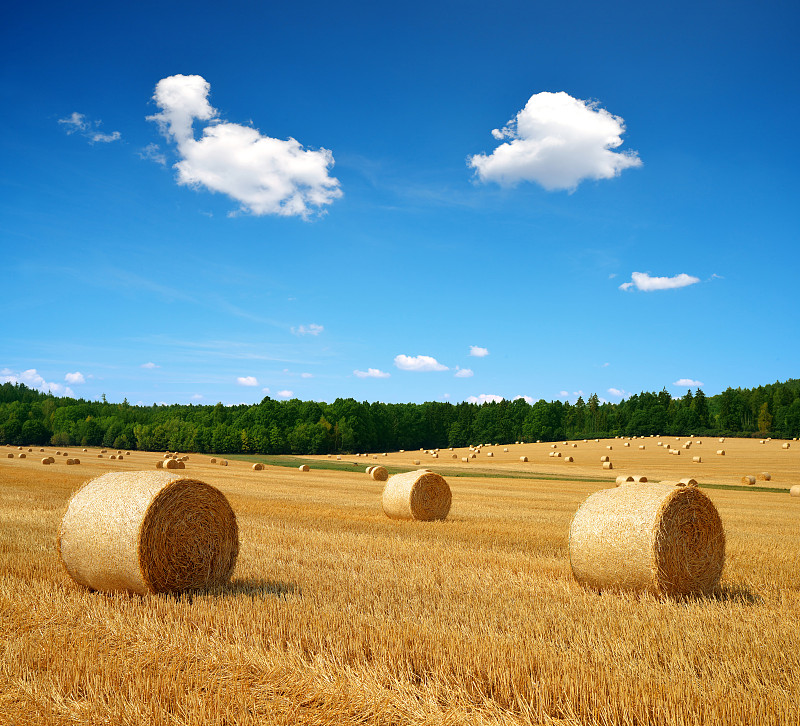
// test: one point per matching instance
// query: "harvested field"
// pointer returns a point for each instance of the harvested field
(337, 614)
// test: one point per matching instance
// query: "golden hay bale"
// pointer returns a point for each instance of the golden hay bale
(749, 480)
(51, 459)
(626, 444)
(11, 456)
(660, 538)
(569, 459)
(160, 464)
(639, 479)
(420, 495)
(213, 461)
(722, 441)
(103, 451)
(258, 466)
(379, 473)
(622, 479)
(416, 462)
(148, 532)
(687, 482)
(604, 458)
(795, 491)
(338, 458)
(99, 456)
(553, 446)
(46, 460)
(490, 453)
(70, 462)
(465, 459)
(455, 456)
(181, 465)
(609, 447)
(720, 452)
(505, 450)
(785, 446)
(641, 447)
(697, 460)
(76, 461)
(523, 458)
(369, 469)
(303, 467)
(58, 453)
(764, 476)
(557, 454)
(112, 456)
(23, 456)
(170, 464)
(41, 451)
(608, 465)
(223, 462)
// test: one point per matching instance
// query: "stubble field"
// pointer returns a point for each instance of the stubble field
(338, 615)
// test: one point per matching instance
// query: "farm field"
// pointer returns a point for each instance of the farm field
(338, 615)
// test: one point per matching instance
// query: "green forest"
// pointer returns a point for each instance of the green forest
(345, 426)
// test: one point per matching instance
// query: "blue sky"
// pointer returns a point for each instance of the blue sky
(634, 227)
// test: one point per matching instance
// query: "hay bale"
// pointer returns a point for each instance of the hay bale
(785, 446)
(223, 462)
(722, 441)
(213, 461)
(523, 458)
(369, 469)
(160, 464)
(641, 447)
(51, 459)
(420, 495)
(623, 479)
(639, 479)
(604, 458)
(557, 454)
(11, 456)
(303, 467)
(113, 456)
(795, 491)
(170, 464)
(102, 451)
(668, 540)
(70, 462)
(626, 444)
(687, 482)
(455, 456)
(764, 476)
(465, 459)
(76, 461)
(608, 465)
(697, 459)
(23, 456)
(720, 452)
(749, 480)
(46, 460)
(568, 459)
(99, 456)
(379, 473)
(609, 447)
(505, 450)
(488, 454)
(416, 461)
(258, 466)
(181, 465)
(148, 532)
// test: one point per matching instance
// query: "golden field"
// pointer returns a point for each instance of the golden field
(338, 615)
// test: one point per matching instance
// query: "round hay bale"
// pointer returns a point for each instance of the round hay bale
(416, 462)
(70, 462)
(608, 465)
(660, 538)
(213, 461)
(697, 459)
(720, 452)
(160, 464)
(102, 451)
(11, 456)
(51, 459)
(379, 473)
(85, 450)
(258, 466)
(455, 456)
(641, 447)
(639, 479)
(687, 482)
(722, 441)
(99, 456)
(465, 459)
(369, 469)
(505, 450)
(420, 495)
(58, 453)
(623, 479)
(46, 460)
(609, 447)
(113, 456)
(303, 467)
(181, 465)
(338, 458)
(170, 464)
(604, 458)
(76, 461)
(764, 476)
(795, 491)
(523, 458)
(557, 454)
(490, 453)
(569, 459)
(749, 480)
(785, 446)
(41, 451)
(626, 444)
(148, 532)
(223, 462)
(23, 456)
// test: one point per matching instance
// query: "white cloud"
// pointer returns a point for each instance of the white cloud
(464, 372)
(484, 398)
(563, 394)
(688, 383)
(306, 375)
(556, 141)
(642, 281)
(77, 123)
(577, 394)
(73, 378)
(622, 393)
(418, 363)
(285, 394)
(528, 399)
(247, 381)
(265, 390)
(478, 352)
(150, 365)
(265, 175)
(152, 152)
(312, 329)
(371, 373)
(32, 379)
(196, 397)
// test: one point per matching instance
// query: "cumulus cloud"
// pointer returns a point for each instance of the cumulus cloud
(642, 281)
(73, 378)
(371, 373)
(312, 329)
(688, 383)
(32, 379)
(152, 152)
(150, 365)
(77, 123)
(265, 175)
(622, 393)
(478, 352)
(418, 363)
(286, 394)
(485, 398)
(556, 141)
(527, 399)
(464, 372)
(247, 381)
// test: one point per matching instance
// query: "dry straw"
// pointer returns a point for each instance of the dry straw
(303, 467)
(720, 452)
(795, 491)
(523, 458)
(764, 476)
(785, 446)
(379, 473)
(369, 469)
(604, 458)
(623, 479)
(420, 495)
(697, 460)
(749, 480)
(160, 464)
(258, 466)
(148, 532)
(608, 465)
(660, 538)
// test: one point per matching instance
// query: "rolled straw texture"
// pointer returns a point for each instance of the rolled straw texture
(659, 538)
(258, 466)
(622, 479)
(147, 532)
(420, 495)
(764, 476)
(379, 473)
(303, 467)
(795, 491)
(749, 480)
(608, 465)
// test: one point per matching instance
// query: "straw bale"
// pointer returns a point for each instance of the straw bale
(722, 441)
(85, 451)
(523, 458)
(785, 446)
(764, 476)
(58, 453)
(436, 456)
(455, 456)
(379, 473)
(697, 459)
(639, 479)
(749, 480)
(557, 454)
(687, 482)
(160, 464)
(720, 452)
(11, 456)
(23, 456)
(102, 451)
(181, 465)
(213, 461)
(641, 447)
(148, 532)
(99, 456)
(113, 456)
(553, 446)
(303, 467)
(795, 491)
(623, 479)
(46, 460)
(465, 459)
(505, 450)
(608, 465)
(338, 458)
(490, 453)
(76, 461)
(70, 462)
(369, 469)
(472, 456)
(416, 461)
(223, 462)
(609, 447)
(258, 466)
(421, 495)
(41, 451)
(626, 444)
(604, 458)
(170, 464)
(660, 538)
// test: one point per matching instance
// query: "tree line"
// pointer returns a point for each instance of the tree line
(30, 417)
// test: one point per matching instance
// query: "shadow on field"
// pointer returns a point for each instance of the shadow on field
(736, 594)
(255, 587)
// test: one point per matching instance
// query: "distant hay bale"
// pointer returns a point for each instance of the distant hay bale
(51, 459)
(604, 459)
(465, 459)
(609, 447)
(764, 476)
(663, 539)
(574, 446)
(85, 451)
(557, 454)
(303, 467)
(384, 454)
(722, 441)
(623, 479)
(697, 459)
(720, 452)
(213, 461)
(69, 462)
(223, 462)
(749, 480)
(11, 456)
(23, 456)
(76, 461)
(379, 473)
(160, 464)
(421, 495)
(113, 456)
(785, 446)
(45, 461)
(626, 444)
(795, 491)
(258, 466)
(490, 453)
(472, 456)
(553, 446)
(639, 479)
(568, 459)
(436, 456)
(148, 532)
(181, 465)
(170, 464)
(523, 458)
(505, 450)
(416, 462)
(608, 465)
(687, 482)
(641, 447)
(338, 458)
(455, 456)
(102, 451)
(99, 456)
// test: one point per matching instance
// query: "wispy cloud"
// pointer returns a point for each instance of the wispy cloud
(247, 381)
(464, 372)
(687, 383)
(312, 329)
(644, 282)
(306, 375)
(622, 393)
(371, 373)
(478, 352)
(152, 152)
(418, 363)
(149, 365)
(77, 123)
(485, 398)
